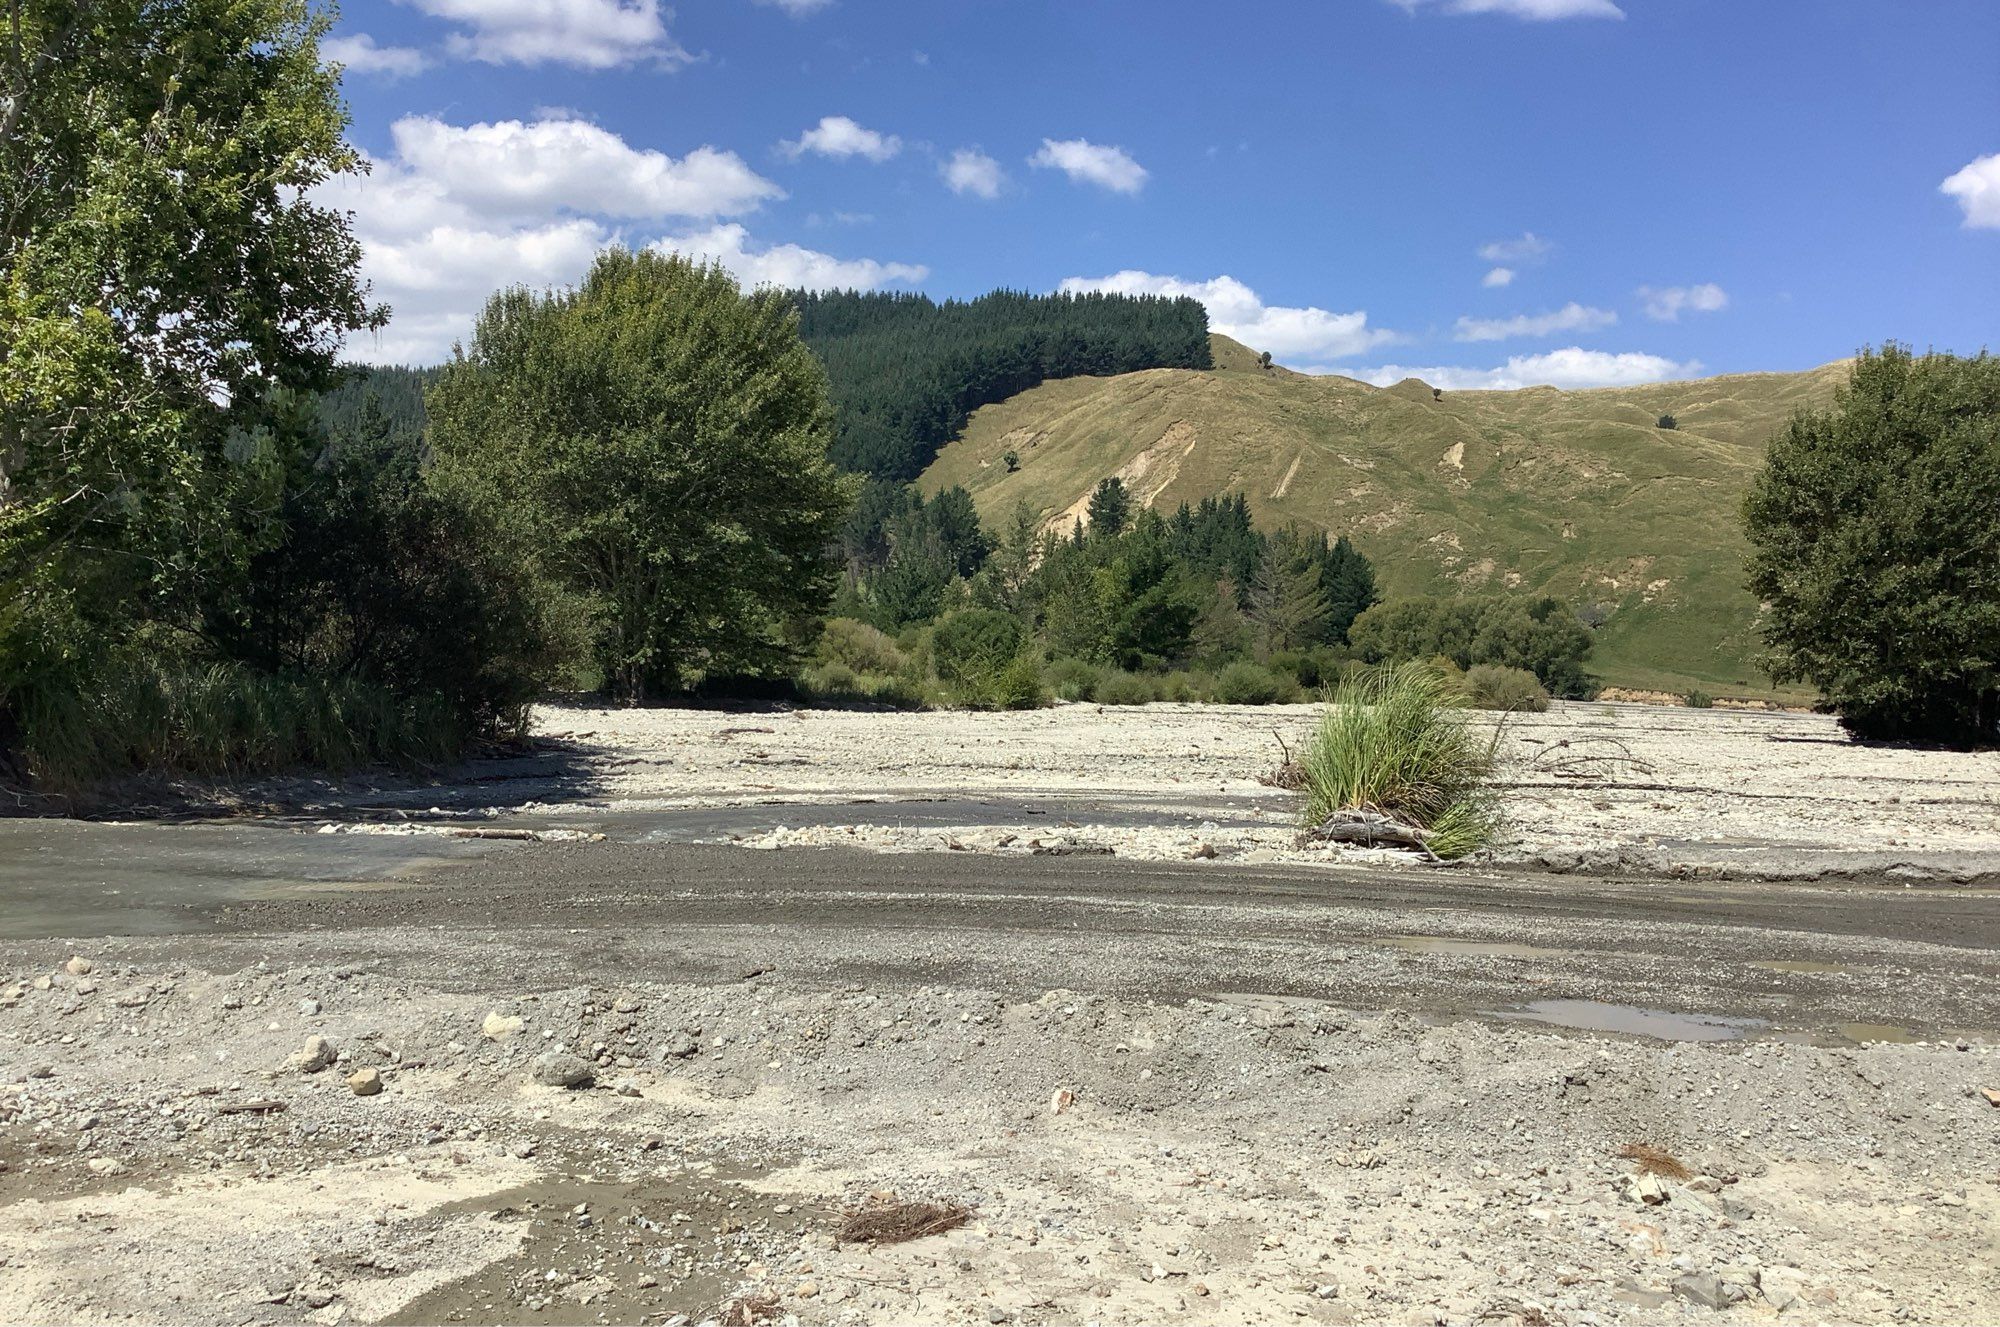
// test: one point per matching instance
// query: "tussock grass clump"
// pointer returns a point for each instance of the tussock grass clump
(1650, 1160)
(1498, 687)
(1397, 742)
(223, 720)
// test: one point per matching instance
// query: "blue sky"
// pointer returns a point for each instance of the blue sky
(1485, 192)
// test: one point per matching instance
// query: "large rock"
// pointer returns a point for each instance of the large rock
(365, 1082)
(561, 1069)
(318, 1053)
(498, 1026)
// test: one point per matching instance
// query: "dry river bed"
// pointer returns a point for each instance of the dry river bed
(278, 1071)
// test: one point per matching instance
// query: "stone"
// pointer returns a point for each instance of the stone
(79, 966)
(308, 1007)
(625, 1087)
(1646, 1189)
(365, 1082)
(106, 1165)
(994, 1313)
(806, 1290)
(1702, 1289)
(679, 1046)
(497, 1026)
(561, 1069)
(318, 1053)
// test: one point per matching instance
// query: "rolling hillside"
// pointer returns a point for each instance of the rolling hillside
(1574, 493)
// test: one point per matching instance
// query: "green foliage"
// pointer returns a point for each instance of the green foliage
(1118, 687)
(858, 646)
(1247, 683)
(1307, 590)
(1396, 740)
(1667, 422)
(1698, 700)
(224, 720)
(906, 372)
(1073, 679)
(168, 286)
(837, 684)
(970, 649)
(654, 443)
(1497, 687)
(1538, 633)
(1020, 686)
(1110, 511)
(1876, 534)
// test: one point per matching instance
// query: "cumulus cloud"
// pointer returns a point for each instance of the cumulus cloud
(591, 34)
(1572, 368)
(969, 171)
(841, 138)
(1666, 304)
(360, 55)
(1525, 248)
(1571, 317)
(796, 8)
(1092, 163)
(787, 265)
(1297, 335)
(461, 211)
(1540, 10)
(1977, 189)
(1498, 278)
(515, 169)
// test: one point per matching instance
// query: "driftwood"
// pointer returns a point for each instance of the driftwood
(264, 1107)
(1369, 829)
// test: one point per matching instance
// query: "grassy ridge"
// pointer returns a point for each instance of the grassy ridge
(1573, 493)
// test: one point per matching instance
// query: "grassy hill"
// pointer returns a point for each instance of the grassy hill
(1573, 493)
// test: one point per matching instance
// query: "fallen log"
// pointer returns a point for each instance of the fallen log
(1369, 829)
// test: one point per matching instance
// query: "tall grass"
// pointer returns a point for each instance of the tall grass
(223, 720)
(1397, 740)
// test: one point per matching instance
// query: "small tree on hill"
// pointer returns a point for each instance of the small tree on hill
(1876, 548)
(1110, 507)
(1668, 422)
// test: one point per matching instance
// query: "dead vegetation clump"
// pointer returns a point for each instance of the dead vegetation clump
(894, 1222)
(748, 1309)
(1290, 775)
(1650, 1160)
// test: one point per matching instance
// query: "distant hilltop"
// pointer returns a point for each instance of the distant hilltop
(1582, 494)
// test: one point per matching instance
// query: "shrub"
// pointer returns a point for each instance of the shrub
(1668, 422)
(1494, 687)
(1875, 531)
(1397, 741)
(225, 720)
(859, 647)
(1535, 632)
(1698, 699)
(1019, 685)
(1246, 683)
(1182, 687)
(970, 648)
(1122, 688)
(1073, 679)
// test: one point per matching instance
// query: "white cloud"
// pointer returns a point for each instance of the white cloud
(787, 265)
(1977, 189)
(1571, 369)
(1667, 304)
(1092, 163)
(592, 34)
(796, 8)
(970, 171)
(1528, 9)
(360, 55)
(839, 137)
(523, 169)
(461, 211)
(1571, 317)
(1498, 278)
(1300, 335)
(1527, 248)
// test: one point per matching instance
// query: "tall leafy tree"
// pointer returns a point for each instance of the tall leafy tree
(658, 439)
(1875, 529)
(166, 280)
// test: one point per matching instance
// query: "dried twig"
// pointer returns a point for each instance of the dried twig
(1652, 1160)
(900, 1222)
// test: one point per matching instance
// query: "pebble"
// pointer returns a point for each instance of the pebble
(497, 1026)
(365, 1082)
(308, 1007)
(79, 966)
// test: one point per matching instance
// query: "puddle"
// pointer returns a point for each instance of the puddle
(1873, 1033)
(1438, 944)
(1632, 1020)
(1797, 965)
(690, 1235)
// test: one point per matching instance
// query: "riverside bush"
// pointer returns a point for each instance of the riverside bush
(1496, 687)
